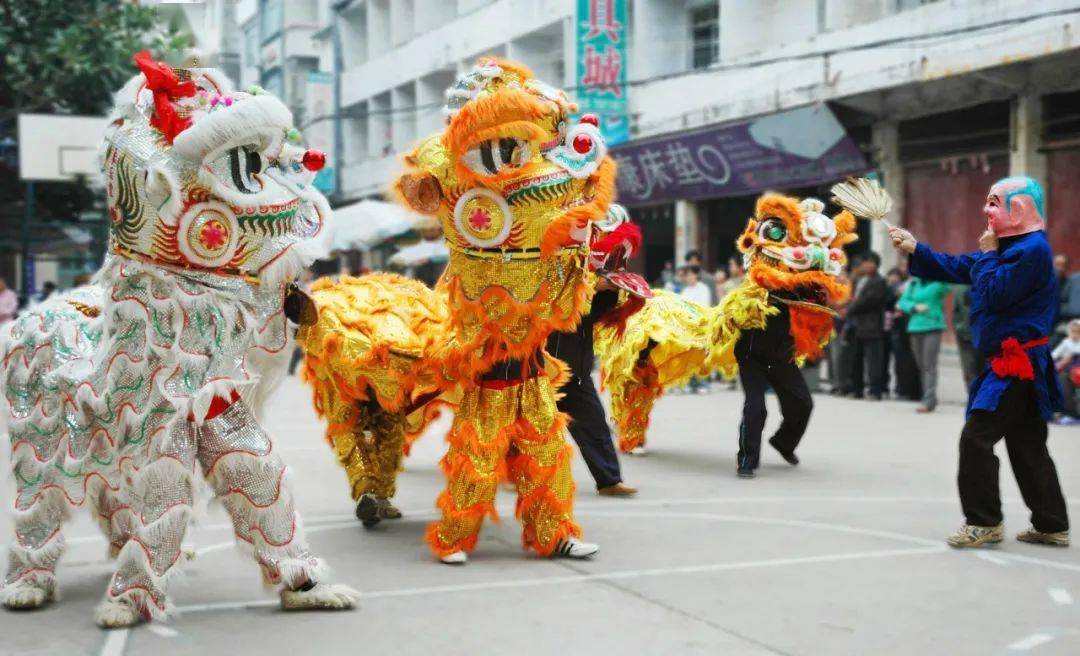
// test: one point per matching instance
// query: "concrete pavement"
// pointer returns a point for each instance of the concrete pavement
(841, 555)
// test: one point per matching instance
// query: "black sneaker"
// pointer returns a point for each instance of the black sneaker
(367, 510)
(744, 472)
(788, 456)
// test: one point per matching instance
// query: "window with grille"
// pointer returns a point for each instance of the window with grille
(705, 35)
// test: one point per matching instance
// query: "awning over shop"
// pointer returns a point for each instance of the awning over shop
(368, 223)
(796, 148)
(426, 251)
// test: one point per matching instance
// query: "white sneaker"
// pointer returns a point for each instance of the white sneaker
(574, 548)
(638, 451)
(456, 558)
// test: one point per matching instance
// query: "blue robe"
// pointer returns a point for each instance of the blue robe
(1013, 294)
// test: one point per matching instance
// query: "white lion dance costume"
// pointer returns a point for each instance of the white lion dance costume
(120, 390)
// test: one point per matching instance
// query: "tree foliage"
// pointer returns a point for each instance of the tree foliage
(70, 56)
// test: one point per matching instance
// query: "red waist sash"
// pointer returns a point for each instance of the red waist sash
(1013, 361)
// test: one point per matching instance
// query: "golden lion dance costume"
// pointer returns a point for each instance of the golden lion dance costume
(793, 255)
(514, 187)
(119, 390)
(662, 346)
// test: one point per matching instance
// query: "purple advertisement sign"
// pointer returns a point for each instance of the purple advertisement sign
(796, 148)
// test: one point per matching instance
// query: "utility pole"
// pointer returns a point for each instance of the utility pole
(27, 281)
(339, 140)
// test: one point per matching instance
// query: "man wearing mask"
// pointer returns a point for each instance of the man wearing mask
(1013, 299)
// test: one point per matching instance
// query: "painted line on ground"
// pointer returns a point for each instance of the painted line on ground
(115, 642)
(991, 558)
(1060, 596)
(162, 630)
(1030, 642)
(585, 578)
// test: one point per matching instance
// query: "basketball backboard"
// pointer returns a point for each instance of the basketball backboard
(57, 147)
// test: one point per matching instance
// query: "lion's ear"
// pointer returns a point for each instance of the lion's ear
(421, 191)
(746, 240)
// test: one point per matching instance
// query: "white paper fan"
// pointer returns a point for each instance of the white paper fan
(863, 197)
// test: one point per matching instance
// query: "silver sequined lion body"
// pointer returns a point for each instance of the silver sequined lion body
(125, 395)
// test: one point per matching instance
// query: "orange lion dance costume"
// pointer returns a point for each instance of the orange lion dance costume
(515, 188)
(794, 255)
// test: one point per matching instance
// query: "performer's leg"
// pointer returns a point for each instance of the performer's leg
(474, 464)
(754, 383)
(237, 459)
(539, 465)
(796, 404)
(38, 543)
(589, 428)
(977, 478)
(1034, 469)
(160, 495)
(632, 405)
(113, 514)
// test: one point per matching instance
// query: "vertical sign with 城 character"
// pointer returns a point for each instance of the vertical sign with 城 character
(601, 65)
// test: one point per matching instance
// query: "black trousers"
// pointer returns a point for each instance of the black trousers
(589, 428)
(868, 355)
(787, 381)
(1017, 420)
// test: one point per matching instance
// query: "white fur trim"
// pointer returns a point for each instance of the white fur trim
(263, 117)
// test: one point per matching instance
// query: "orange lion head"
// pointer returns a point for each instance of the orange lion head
(791, 245)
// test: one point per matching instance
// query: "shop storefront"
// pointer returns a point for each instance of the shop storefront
(950, 160)
(1061, 139)
(699, 187)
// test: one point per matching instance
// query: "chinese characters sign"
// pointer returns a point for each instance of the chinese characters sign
(601, 65)
(796, 148)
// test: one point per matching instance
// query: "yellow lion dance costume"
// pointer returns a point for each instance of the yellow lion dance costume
(515, 188)
(793, 255)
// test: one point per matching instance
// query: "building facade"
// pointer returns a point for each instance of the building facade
(723, 98)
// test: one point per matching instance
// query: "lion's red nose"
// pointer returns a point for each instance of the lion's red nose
(314, 160)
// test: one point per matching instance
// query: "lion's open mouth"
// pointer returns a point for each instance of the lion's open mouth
(539, 188)
(812, 293)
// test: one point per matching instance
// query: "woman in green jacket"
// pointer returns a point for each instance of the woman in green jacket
(924, 302)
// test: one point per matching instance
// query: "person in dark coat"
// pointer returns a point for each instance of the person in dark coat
(1013, 302)
(588, 422)
(865, 328)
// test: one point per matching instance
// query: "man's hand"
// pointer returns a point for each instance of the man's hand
(988, 242)
(603, 284)
(903, 240)
(921, 307)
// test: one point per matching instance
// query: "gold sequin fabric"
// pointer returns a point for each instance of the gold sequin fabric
(369, 355)
(370, 446)
(678, 331)
(515, 433)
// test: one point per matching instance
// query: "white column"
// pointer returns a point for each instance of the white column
(886, 138)
(686, 229)
(1026, 139)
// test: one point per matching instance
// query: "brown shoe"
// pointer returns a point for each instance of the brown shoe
(969, 536)
(1059, 539)
(922, 409)
(620, 489)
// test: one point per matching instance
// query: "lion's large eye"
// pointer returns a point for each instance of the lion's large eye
(245, 163)
(491, 157)
(772, 230)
